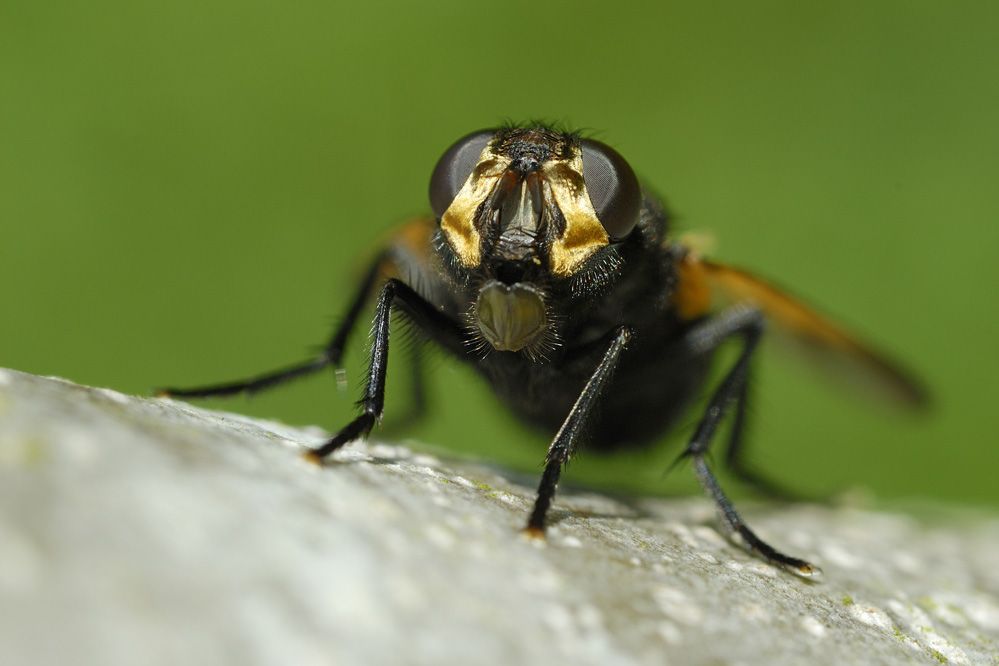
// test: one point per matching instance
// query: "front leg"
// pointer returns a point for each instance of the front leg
(394, 293)
(567, 439)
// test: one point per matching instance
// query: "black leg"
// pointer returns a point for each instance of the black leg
(373, 402)
(568, 436)
(330, 355)
(393, 294)
(746, 323)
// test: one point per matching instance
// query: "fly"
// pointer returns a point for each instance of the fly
(549, 269)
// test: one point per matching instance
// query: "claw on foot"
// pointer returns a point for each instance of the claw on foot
(313, 457)
(806, 570)
(532, 532)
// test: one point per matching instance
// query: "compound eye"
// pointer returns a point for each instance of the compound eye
(613, 188)
(454, 167)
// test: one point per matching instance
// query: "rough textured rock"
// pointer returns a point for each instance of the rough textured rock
(141, 531)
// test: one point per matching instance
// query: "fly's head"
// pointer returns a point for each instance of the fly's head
(530, 216)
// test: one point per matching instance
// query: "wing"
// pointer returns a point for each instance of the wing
(835, 351)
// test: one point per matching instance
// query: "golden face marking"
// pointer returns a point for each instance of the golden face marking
(458, 221)
(562, 188)
(584, 234)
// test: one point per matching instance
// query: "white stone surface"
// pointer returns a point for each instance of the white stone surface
(141, 531)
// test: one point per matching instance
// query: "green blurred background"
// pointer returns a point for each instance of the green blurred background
(187, 190)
